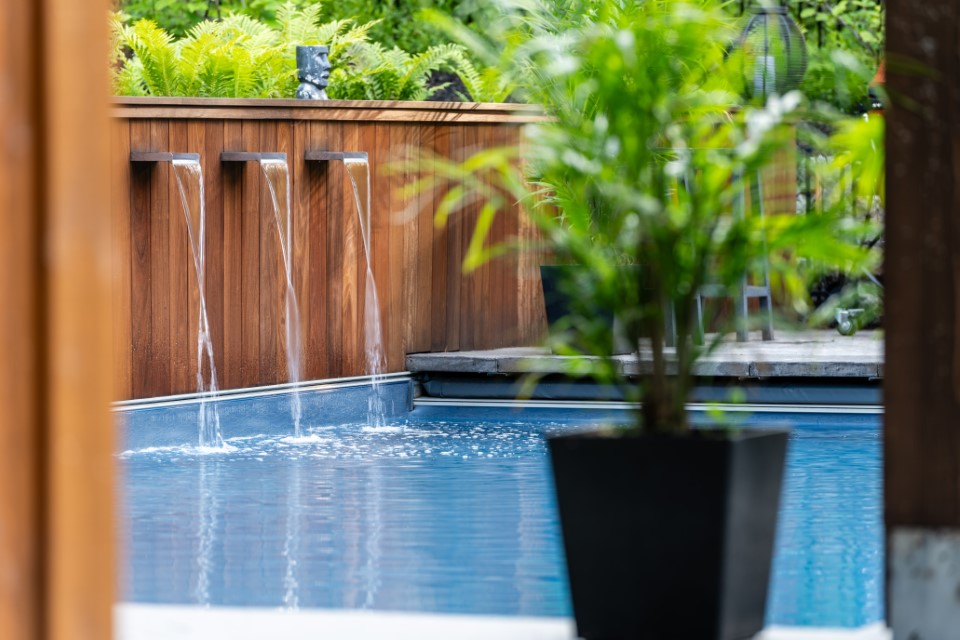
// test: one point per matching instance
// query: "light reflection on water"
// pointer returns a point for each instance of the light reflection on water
(452, 516)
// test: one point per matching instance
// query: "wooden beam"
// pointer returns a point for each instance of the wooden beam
(79, 526)
(922, 270)
(56, 445)
(21, 405)
(326, 110)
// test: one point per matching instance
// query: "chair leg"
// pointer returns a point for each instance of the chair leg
(670, 328)
(766, 310)
(740, 312)
(699, 337)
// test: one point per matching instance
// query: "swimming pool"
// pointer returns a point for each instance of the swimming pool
(451, 511)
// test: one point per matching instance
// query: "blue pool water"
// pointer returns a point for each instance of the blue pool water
(451, 511)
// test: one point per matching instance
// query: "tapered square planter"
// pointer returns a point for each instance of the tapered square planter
(669, 537)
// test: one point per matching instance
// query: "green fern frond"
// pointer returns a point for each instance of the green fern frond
(487, 85)
(298, 26)
(158, 54)
(247, 26)
(340, 40)
(128, 81)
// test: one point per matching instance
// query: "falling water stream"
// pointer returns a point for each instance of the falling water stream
(359, 171)
(278, 179)
(190, 182)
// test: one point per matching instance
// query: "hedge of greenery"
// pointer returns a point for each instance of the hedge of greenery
(386, 48)
(243, 57)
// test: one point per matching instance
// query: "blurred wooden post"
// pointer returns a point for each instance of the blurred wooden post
(922, 314)
(56, 469)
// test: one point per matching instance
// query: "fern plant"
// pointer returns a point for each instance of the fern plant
(483, 84)
(241, 57)
(378, 73)
(237, 57)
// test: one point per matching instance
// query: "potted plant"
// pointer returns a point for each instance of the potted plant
(668, 530)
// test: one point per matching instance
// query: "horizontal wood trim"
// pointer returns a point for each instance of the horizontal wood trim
(327, 110)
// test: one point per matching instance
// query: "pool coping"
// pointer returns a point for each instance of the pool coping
(183, 622)
(804, 354)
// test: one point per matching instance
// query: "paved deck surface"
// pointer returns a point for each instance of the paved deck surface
(162, 622)
(820, 354)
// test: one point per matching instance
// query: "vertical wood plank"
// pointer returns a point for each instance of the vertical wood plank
(470, 324)
(317, 183)
(141, 297)
(182, 284)
(21, 370)
(352, 257)
(368, 141)
(922, 270)
(209, 138)
(492, 295)
(331, 217)
(121, 263)
(272, 274)
(284, 144)
(233, 272)
(405, 229)
(159, 379)
(195, 144)
(531, 311)
(438, 144)
(455, 232)
(382, 239)
(505, 289)
(78, 444)
(295, 141)
(422, 210)
(250, 265)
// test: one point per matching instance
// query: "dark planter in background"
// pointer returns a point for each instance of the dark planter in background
(669, 537)
(557, 303)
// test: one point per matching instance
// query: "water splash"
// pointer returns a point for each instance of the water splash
(278, 179)
(359, 171)
(189, 176)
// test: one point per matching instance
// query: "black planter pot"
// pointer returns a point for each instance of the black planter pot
(669, 537)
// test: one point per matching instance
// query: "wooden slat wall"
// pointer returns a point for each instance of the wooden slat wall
(427, 303)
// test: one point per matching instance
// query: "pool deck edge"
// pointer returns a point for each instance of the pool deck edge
(810, 354)
(183, 622)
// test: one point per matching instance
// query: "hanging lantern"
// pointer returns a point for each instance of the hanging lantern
(773, 53)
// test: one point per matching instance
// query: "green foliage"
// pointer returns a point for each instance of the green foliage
(642, 164)
(845, 40)
(235, 57)
(851, 181)
(174, 16)
(398, 25)
(240, 56)
(179, 16)
(378, 73)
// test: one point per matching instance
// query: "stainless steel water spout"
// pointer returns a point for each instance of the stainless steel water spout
(326, 156)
